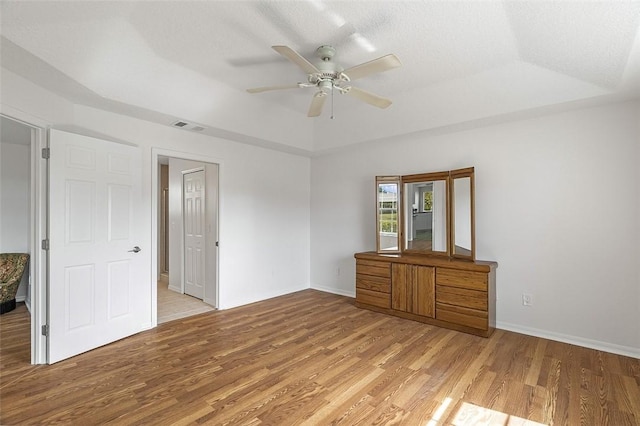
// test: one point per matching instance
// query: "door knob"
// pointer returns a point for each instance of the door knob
(135, 249)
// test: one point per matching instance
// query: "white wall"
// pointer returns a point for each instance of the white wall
(264, 194)
(15, 199)
(557, 206)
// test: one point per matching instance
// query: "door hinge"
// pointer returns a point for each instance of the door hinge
(217, 243)
(45, 330)
(45, 244)
(46, 153)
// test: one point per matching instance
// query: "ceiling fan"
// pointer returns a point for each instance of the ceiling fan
(327, 75)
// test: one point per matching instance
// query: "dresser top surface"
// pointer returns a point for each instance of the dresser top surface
(426, 260)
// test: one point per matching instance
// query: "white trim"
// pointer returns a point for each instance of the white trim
(174, 288)
(351, 294)
(23, 117)
(40, 258)
(573, 340)
(194, 170)
(155, 154)
(40, 277)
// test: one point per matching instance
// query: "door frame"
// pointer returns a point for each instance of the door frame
(156, 153)
(38, 264)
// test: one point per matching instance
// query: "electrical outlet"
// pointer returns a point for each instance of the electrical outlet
(527, 299)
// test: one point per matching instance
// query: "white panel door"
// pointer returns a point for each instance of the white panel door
(194, 233)
(99, 289)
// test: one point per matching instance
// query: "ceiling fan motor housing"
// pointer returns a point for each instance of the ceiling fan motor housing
(330, 72)
(325, 52)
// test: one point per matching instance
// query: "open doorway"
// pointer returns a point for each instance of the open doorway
(23, 223)
(187, 195)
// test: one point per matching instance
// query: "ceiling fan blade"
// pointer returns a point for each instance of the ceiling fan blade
(315, 109)
(382, 64)
(296, 58)
(268, 88)
(369, 98)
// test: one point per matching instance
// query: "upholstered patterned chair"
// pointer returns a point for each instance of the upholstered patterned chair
(12, 266)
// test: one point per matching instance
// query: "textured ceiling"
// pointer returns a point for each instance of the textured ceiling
(462, 61)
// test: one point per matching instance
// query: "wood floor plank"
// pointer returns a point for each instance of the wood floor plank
(314, 358)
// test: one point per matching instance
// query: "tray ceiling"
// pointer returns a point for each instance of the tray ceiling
(461, 61)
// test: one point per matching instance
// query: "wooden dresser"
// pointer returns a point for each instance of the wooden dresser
(451, 293)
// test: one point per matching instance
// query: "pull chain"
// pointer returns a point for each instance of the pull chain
(332, 100)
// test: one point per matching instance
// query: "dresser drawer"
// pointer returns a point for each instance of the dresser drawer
(374, 298)
(462, 279)
(462, 297)
(371, 282)
(463, 316)
(371, 267)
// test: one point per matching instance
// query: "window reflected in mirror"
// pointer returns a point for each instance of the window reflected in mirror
(388, 208)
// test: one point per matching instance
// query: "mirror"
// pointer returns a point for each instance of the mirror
(462, 213)
(387, 214)
(425, 213)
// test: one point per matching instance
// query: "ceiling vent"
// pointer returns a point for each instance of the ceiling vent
(187, 126)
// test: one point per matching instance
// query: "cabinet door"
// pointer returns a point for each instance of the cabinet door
(401, 287)
(424, 291)
(413, 289)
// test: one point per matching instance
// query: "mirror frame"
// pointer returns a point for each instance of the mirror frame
(462, 174)
(388, 180)
(449, 177)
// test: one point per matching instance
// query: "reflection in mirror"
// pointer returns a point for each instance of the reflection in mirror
(462, 216)
(388, 197)
(426, 216)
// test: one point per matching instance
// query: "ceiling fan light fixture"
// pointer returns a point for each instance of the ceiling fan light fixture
(325, 85)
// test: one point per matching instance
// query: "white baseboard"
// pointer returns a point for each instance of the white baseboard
(351, 294)
(265, 296)
(573, 340)
(176, 289)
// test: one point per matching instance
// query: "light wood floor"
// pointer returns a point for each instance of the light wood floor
(172, 305)
(314, 358)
